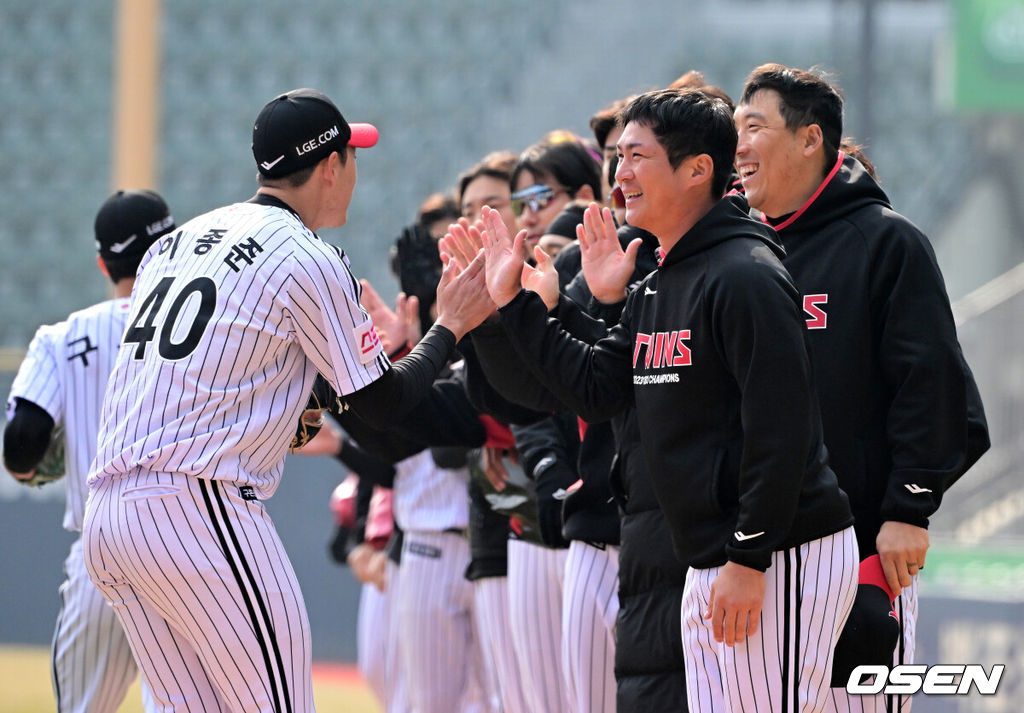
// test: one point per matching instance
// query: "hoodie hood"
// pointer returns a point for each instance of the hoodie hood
(848, 187)
(728, 219)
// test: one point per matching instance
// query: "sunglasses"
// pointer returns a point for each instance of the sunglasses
(533, 197)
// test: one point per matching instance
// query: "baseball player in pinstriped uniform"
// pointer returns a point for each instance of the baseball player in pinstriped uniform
(372, 622)
(535, 580)
(588, 629)
(488, 183)
(364, 522)
(549, 174)
(397, 699)
(583, 649)
(60, 385)
(488, 574)
(439, 652)
(232, 318)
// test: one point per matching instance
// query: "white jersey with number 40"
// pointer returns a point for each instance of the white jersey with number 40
(232, 316)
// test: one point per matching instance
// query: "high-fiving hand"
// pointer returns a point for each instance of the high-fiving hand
(504, 257)
(462, 299)
(606, 266)
(464, 240)
(397, 327)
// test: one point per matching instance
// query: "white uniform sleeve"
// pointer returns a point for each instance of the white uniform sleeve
(39, 375)
(336, 334)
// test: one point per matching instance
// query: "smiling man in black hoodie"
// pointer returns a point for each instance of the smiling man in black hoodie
(901, 411)
(711, 351)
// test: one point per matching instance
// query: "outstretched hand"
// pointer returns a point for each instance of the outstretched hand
(504, 258)
(606, 266)
(394, 327)
(462, 298)
(464, 240)
(461, 243)
(542, 278)
(374, 305)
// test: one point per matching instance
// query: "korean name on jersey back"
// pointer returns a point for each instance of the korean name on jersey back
(179, 334)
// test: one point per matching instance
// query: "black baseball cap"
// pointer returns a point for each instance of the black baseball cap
(300, 128)
(872, 630)
(129, 222)
(566, 221)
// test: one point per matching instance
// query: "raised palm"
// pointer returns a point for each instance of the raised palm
(606, 266)
(504, 258)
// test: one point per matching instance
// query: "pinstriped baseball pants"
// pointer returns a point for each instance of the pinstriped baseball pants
(490, 599)
(371, 640)
(786, 666)
(590, 605)
(93, 665)
(205, 592)
(535, 577)
(439, 650)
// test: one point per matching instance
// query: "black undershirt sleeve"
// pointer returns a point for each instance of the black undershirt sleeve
(445, 417)
(488, 342)
(26, 436)
(507, 376)
(384, 444)
(369, 468)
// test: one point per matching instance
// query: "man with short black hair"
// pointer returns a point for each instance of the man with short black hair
(902, 416)
(234, 315)
(55, 404)
(711, 351)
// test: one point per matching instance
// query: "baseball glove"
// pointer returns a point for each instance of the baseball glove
(416, 262)
(51, 467)
(322, 398)
(518, 498)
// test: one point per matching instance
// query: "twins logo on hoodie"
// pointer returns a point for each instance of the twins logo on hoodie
(661, 350)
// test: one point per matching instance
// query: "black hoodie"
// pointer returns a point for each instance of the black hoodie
(711, 349)
(901, 411)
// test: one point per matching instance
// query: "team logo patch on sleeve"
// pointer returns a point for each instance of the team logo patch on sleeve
(367, 341)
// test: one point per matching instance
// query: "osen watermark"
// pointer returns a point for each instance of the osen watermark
(938, 680)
